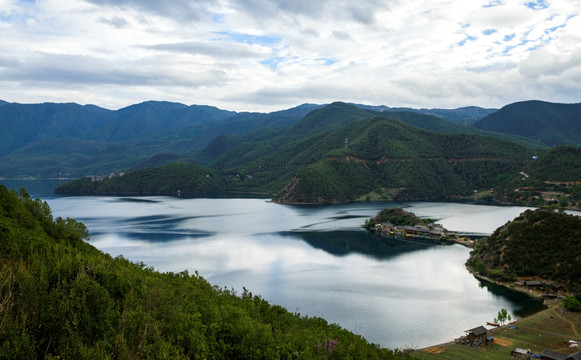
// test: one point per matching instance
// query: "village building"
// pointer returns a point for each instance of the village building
(477, 334)
(519, 353)
(533, 283)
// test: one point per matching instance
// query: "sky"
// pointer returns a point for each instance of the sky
(267, 55)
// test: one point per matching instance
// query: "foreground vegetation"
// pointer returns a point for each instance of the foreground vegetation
(62, 298)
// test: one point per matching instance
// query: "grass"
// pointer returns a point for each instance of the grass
(549, 329)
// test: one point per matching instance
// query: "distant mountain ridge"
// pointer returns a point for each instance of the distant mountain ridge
(467, 115)
(71, 140)
(548, 123)
(88, 139)
(357, 156)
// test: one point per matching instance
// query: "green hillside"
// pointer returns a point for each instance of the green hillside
(24, 124)
(548, 123)
(51, 140)
(136, 135)
(466, 116)
(402, 162)
(384, 157)
(539, 243)
(553, 179)
(562, 163)
(231, 151)
(63, 299)
(182, 179)
(255, 145)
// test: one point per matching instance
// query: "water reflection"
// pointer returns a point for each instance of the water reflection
(313, 259)
(525, 305)
(341, 243)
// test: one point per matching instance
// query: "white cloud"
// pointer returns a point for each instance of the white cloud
(270, 54)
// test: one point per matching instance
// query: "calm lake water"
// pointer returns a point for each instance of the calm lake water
(315, 260)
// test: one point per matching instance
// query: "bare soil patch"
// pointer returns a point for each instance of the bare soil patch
(435, 349)
(503, 342)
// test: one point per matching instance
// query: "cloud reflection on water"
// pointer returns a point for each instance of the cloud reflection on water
(315, 260)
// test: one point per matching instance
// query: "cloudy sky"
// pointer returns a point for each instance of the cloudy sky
(265, 55)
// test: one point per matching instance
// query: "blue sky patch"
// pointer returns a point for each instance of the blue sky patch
(554, 28)
(468, 37)
(493, 3)
(507, 50)
(537, 5)
(265, 40)
(509, 37)
(272, 62)
(218, 18)
(327, 61)
(489, 31)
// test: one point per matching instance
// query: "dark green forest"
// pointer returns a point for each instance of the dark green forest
(60, 298)
(417, 163)
(395, 216)
(541, 243)
(325, 168)
(544, 122)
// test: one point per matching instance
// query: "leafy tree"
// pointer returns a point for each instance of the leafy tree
(572, 303)
(503, 316)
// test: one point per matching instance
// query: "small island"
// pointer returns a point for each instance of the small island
(399, 224)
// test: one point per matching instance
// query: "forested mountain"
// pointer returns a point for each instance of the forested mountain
(255, 145)
(401, 162)
(467, 115)
(552, 179)
(382, 156)
(70, 140)
(548, 123)
(61, 298)
(541, 243)
(50, 140)
(562, 163)
(24, 124)
(230, 151)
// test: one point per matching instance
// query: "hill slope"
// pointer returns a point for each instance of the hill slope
(539, 243)
(381, 155)
(70, 133)
(231, 151)
(548, 123)
(407, 162)
(252, 146)
(467, 115)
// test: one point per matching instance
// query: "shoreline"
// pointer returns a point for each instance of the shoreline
(550, 306)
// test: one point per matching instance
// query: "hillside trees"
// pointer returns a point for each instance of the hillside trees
(539, 243)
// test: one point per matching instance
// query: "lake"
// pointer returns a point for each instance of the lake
(314, 260)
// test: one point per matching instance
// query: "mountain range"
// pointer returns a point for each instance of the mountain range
(548, 123)
(307, 154)
(336, 153)
(50, 140)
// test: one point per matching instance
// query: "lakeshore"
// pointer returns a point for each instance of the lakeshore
(550, 329)
(554, 329)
